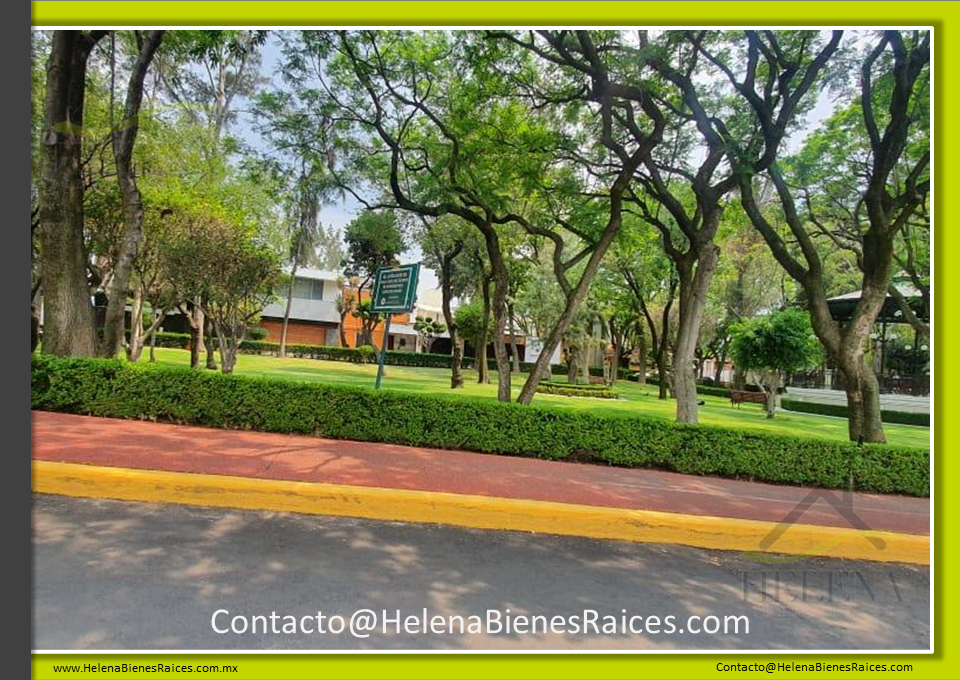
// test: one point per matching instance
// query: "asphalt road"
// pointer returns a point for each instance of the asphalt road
(117, 575)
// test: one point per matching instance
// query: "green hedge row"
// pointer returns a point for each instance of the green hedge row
(119, 389)
(351, 354)
(572, 390)
(709, 390)
(840, 411)
(323, 352)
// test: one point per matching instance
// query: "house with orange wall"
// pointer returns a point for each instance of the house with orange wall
(315, 320)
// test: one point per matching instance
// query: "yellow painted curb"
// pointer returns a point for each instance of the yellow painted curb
(479, 512)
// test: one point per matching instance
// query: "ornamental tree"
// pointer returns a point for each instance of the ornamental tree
(428, 330)
(772, 346)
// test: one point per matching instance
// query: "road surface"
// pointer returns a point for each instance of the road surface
(118, 575)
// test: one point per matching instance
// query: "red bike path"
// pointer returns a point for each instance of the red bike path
(59, 437)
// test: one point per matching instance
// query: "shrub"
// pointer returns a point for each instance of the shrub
(256, 333)
(570, 390)
(367, 353)
(178, 340)
(709, 390)
(118, 389)
(840, 411)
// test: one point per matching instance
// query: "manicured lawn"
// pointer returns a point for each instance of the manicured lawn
(635, 399)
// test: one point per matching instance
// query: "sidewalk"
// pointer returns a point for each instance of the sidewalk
(334, 464)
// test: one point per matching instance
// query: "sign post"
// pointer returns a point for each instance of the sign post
(394, 290)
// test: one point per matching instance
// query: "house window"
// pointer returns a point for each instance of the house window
(308, 289)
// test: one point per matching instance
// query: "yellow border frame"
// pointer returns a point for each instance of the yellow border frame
(944, 17)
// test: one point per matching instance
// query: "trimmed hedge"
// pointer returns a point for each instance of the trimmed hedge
(572, 390)
(322, 352)
(119, 389)
(840, 411)
(709, 390)
(179, 340)
(353, 355)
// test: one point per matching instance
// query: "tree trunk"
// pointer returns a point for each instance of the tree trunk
(514, 352)
(721, 362)
(573, 363)
(659, 341)
(872, 415)
(201, 320)
(34, 324)
(579, 292)
(500, 330)
(286, 311)
(195, 320)
(483, 369)
(642, 358)
(228, 344)
(456, 363)
(446, 294)
(693, 298)
(663, 376)
(863, 398)
(135, 341)
(151, 333)
(211, 355)
(343, 319)
(770, 384)
(771, 403)
(68, 316)
(130, 199)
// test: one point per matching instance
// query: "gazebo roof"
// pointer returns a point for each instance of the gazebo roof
(842, 306)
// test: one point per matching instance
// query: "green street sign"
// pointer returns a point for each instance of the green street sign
(395, 288)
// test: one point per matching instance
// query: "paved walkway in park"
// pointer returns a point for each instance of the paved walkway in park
(174, 448)
(891, 402)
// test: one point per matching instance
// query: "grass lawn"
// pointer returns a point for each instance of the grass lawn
(635, 399)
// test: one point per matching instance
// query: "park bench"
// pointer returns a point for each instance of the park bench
(740, 397)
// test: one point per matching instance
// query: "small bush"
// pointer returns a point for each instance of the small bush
(118, 389)
(709, 390)
(367, 353)
(256, 333)
(571, 390)
(177, 340)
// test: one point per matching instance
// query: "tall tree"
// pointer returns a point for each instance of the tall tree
(231, 272)
(302, 151)
(773, 346)
(68, 314)
(205, 73)
(620, 124)
(642, 275)
(373, 239)
(124, 136)
(893, 91)
(442, 242)
(413, 100)
(784, 66)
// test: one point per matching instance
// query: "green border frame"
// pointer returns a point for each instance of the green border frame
(943, 16)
